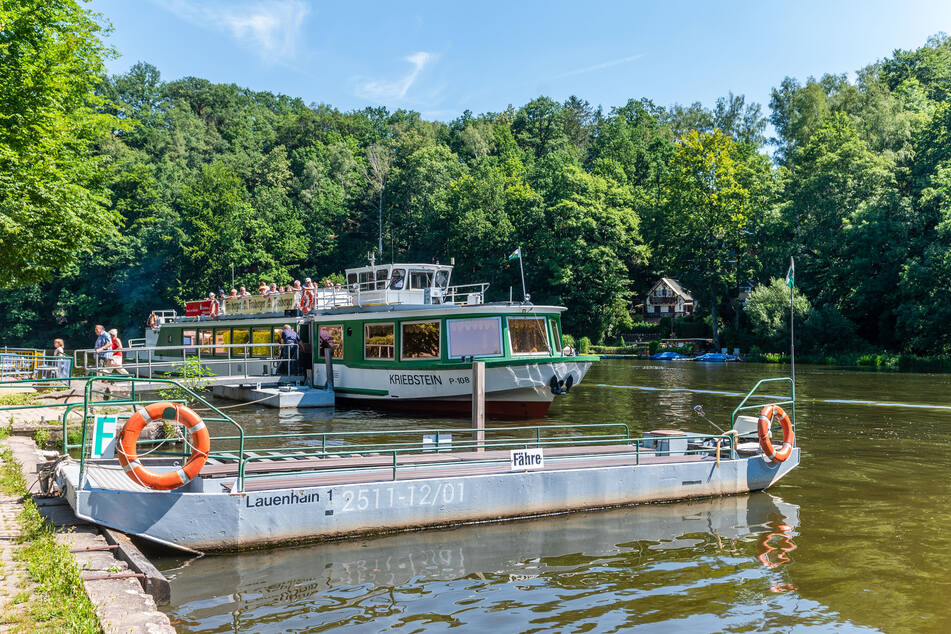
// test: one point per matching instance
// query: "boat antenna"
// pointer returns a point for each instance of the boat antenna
(699, 411)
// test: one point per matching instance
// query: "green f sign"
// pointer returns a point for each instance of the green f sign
(104, 437)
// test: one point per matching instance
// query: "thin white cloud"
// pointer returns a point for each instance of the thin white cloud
(393, 90)
(601, 66)
(270, 28)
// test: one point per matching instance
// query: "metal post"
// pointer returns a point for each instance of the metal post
(792, 335)
(522, 271)
(478, 404)
(328, 354)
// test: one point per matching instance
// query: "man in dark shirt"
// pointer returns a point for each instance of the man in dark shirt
(290, 349)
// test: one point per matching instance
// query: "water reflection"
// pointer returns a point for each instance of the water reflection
(577, 560)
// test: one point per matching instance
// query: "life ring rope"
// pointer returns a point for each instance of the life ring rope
(763, 428)
(307, 300)
(198, 439)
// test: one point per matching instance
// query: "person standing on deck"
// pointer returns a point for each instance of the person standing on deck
(61, 360)
(290, 349)
(103, 349)
(116, 363)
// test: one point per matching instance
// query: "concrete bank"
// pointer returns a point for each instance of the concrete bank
(114, 587)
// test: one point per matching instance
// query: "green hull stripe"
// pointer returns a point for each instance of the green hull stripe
(456, 365)
(361, 390)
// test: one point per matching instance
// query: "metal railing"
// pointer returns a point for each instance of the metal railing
(771, 400)
(34, 365)
(394, 444)
(212, 360)
(188, 394)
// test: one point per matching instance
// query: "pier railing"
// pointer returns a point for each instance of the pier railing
(210, 359)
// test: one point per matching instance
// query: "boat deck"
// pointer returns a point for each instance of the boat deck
(273, 471)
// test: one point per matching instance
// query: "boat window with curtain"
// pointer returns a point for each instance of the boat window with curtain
(528, 335)
(240, 336)
(479, 337)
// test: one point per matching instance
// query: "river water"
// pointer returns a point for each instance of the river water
(853, 540)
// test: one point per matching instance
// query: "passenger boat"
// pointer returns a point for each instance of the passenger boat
(402, 337)
(227, 490)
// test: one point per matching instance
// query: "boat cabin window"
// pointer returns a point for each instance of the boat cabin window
(189, 338)
(378, 341)
(480, 337)
(335, 335)
(239, 336)
(366, 280)
(419, 340)
(528, 335)
(420, 279)
(382, 275)
(351, 278)
(442, 279)
(397, 278)
(204, 340)
(220, 341)
(261, 335)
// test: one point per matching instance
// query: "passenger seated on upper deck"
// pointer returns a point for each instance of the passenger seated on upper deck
(272, 288)
(244, 292)
(296, 286)
(328, 284)
(262, 289)
(233, 293)
(308, 283)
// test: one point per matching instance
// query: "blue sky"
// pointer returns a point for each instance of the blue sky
(440, 58)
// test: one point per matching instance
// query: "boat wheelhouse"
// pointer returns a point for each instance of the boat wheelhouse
(399, 336)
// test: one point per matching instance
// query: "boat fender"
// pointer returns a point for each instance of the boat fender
(129, 458)
(789, 436)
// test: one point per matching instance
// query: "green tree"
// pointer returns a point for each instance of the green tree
(715, 196)
(52, 204)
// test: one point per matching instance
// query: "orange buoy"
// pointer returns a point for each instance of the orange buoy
(789, 436)
(307, 300)
(152, 320)
(129, 459)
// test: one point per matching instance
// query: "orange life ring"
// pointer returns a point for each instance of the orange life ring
(789, 436)
(213, 309)
(129, 459)
(152, 320)
(307, 300)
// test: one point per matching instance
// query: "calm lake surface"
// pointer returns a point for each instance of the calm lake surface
(853, 540)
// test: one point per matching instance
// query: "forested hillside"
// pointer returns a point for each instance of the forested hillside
(185, 178)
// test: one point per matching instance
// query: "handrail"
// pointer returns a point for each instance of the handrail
(188, 391)
(147, 357)
(791, 401)
(726, 441)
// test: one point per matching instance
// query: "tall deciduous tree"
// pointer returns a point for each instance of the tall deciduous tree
(52, 207)
(714, 192)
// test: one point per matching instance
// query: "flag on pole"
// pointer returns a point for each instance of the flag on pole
(516, 254)
(791, 274)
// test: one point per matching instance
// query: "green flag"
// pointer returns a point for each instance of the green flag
(791, 274)
(516, 254)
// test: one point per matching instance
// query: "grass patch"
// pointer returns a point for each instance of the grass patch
(58, 602)
(19, 398)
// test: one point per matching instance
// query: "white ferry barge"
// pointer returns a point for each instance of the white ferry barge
(228, 491)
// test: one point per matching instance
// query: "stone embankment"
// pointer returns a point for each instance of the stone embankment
(114, 587)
